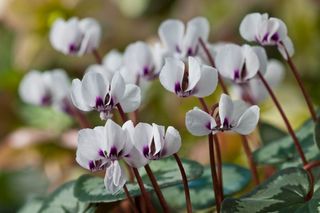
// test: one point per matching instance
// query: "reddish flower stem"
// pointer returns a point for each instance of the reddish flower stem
(123, 116)
(219, 165)
(285, 119)
(214, 177)
(211, 61)
(157, 189)
(144, 192)
(253, 167)
(130, 199)
(97, 56)
(311, 165)
(204, 105)
(185, 183)
(297, 76)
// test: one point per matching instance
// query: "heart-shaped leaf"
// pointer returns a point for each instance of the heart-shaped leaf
(269, 133)
(317, 134)
(284, 192)
(31, 206)
(62, 200)
(235, 178)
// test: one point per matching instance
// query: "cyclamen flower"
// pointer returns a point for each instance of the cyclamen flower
(266, 31)
(254, 91)
(233, 116)
(240, 63)
(101, 148)
(189, 79)
(101, 90)
(181, 41)
(49, 88)
(74, 36)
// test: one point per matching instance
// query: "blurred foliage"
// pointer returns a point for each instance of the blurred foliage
(24, 28)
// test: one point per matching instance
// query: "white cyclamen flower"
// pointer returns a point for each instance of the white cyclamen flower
(240, 63)
(266, 31)
(49, 88)
(74, 36)
(101, 148)
(254, 91)
(233, 116)
(101, 90)
(181, 41)
(189, 79)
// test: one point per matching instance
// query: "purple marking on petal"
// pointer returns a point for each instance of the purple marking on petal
(236, 75)
(127, 156)
(101, 153)
(46, 100)
(146, 70)
(178, 49)
(91, 165)
(225, 123)
(99, 102)
(265, 37)
(177, 87)
(113, 151)
(275, 37)
(189, 52)
(208, 125)
(145, 151)
(73, 48)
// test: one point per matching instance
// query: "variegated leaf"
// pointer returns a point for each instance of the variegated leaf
(269, 133)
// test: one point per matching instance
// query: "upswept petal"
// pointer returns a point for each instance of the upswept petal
(106, 73)
(135, 158)
(143, 135)
(171, 73)
(59, 85)
(275, 72)
(207, 83)
(197, 27)
(199, 123)
(287, 43)
(117, 88)
(131, 99)
(171, 33)
(113, 60)
(172, 142)
(93, 86)
(225, 109)
(251, 62)
(229, 60)
(158, 138)
(239, 107)
(194, 69)
(77, 96)
(115, 178)
(248, 121)
(117, 139)
(32, 88)
(263, 58)
(91, 35)
(249, 26)
(281, 29)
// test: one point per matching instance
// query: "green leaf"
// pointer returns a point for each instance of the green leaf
(283, 192)
(45, 118)
(62, 200)
(235, 178)
(167, 171)
(270, 133)
(283, 151)
(31, 206)
(317, 134)
(91, 189)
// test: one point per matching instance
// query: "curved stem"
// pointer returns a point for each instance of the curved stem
(77, 115)
(219, 165)
(297, 76)
(204, 105)
(122, 114)
(97, 56)
(211, 61)
(144, 192)
(285, 119)
(251, 162)
(185, 183)
(130, 199)
(311, 165)
(215, 181)
(157, 189)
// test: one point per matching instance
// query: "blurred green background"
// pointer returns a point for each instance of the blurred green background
(37, 145)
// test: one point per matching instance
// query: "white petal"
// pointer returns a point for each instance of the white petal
(199, 123)
(275, 72)
(287, 42)
(131, 99)
(107, 74)
(248, 121)
(225, 109)
(281, 28)
(207, 83)
(171, 34)
(250, 25)
(239, 107)
(158, 138)
(115, 178)
(172, 142)
(196, 28)
(91, 35)
(93, 86)
(118, 87)
(113, 60)
(32, 88)
(229, 60)
(77, 97)
(251, 61)
(117, 138)
(194, 72)
(135, 158)
(171, 74)
(263, 58)
(143, 136)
